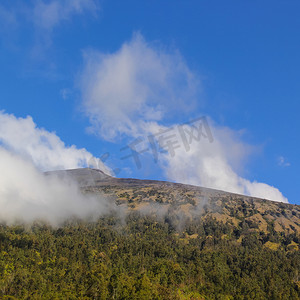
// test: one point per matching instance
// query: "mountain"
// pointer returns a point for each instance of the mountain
(160, 240)
(190, 201)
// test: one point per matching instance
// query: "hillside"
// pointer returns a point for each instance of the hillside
(191, 201)
(160, 240)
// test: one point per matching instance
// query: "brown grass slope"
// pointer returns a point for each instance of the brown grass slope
(159, 197)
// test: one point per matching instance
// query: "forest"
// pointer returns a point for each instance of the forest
(142, 257)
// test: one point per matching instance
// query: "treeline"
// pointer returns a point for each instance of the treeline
(143, 258)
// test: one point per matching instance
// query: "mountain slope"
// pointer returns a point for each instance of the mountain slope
(191, 201)
(161, 241)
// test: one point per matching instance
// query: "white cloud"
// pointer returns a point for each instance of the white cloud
(65, 93)
(134, 91)
(27, 195)
(44, 17)
(137, 84)
(47, 15)
(213, 164)
(45, 149)
(282, 162)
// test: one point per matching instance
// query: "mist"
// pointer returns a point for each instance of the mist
(27, 195)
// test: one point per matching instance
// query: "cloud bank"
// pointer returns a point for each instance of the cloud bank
(27, 195)
(134, 91)
(43, 148)
(214, 164)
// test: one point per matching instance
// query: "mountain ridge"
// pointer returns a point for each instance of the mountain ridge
(105, 177)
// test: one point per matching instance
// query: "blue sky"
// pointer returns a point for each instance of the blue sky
(236, 62)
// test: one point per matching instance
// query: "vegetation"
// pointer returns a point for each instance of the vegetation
(142, 257)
